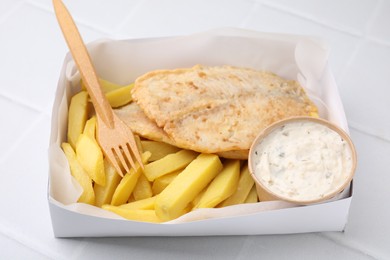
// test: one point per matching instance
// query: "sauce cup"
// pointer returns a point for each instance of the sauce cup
(298, 174)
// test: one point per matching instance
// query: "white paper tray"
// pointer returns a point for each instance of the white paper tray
(290, 56)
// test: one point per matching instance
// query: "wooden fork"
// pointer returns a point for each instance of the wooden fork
(114, 137)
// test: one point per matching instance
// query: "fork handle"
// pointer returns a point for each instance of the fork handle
(84, 63)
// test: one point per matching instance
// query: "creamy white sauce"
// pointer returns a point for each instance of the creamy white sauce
(303, 161)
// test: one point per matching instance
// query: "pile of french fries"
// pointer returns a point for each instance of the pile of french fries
(174, 181)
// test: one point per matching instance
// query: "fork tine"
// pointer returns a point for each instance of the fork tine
(126, 149)
(121, 158)
(134, 149)
(113, 161)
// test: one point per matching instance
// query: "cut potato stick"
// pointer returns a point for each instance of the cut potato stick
(140, 204)
(78, 112)
(245, 184)
(103, 194)
(126, 186)
(223, 186)
(90, 157)
(171, 202)
(106, 85)
(158, 149)
(117, 95)
(77, 171)
(162, 182)
(199, 197)
(120, 97)
(131, 199)
(252, 196)
(143, 188)
(143, 215)
(139, 145)
(169, 163)
(90, 127)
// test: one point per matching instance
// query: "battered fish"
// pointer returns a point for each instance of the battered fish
(217, 109)
(141, 125)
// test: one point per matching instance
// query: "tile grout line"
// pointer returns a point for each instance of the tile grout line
(364, 130)
(303, 15)
(28, 130)
(255, 7)
(117, 29)
(349, 61)
(22, 240)
(11, 11)
(21, 102)
(361, 41)
(353, 247)
(372, 17)
(370, 24)
(326, 24)
(78, 22)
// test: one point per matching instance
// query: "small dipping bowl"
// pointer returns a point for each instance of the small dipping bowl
(302, 160)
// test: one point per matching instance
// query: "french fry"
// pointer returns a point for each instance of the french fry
(90, 156)
(252, 196)
(162, 182)
(106, 85)
(77, 171)
(143, 188)
(158, 149)
(139, 145)
(245, 184)
(117, 95)
(143, 215)
(128, 182)
(199, 197)
(78, 112)
(120, 97)
(172, 201)
(90, 127)
(103, 194)
(169, 163)
(131, 199)
(223, 186)
(140, 204)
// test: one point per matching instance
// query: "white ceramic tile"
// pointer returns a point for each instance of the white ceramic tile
(102, 14)
(302, 246)
(348, 15)
(365, 89)
(368, 228)
(24, 215)
(32, 54)
(7, 7)
(32, 50)
(161, 18)
(271, 20)
(11, 249)
(380, 27)
(16, 119)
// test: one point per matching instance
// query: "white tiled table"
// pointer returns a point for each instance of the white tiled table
(31, 54)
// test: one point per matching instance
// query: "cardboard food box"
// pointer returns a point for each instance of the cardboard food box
(290, 56)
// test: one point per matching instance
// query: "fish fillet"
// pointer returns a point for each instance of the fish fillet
(217, 109)
(140, 124)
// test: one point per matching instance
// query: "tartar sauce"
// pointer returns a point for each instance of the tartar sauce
(303, 161)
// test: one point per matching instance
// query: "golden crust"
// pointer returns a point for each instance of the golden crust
(217, 109)
(141, 125)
